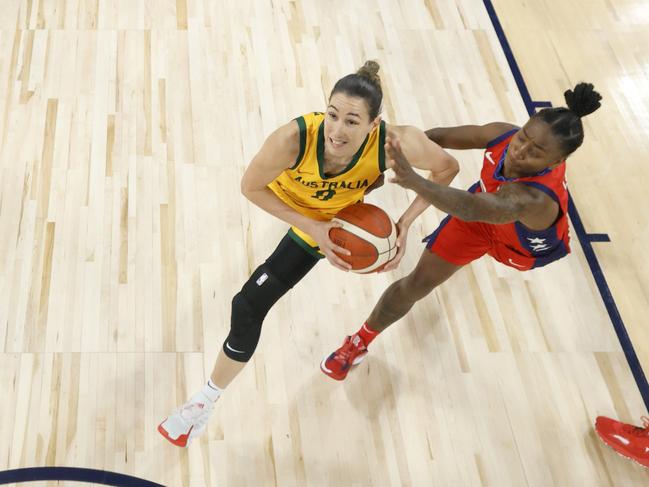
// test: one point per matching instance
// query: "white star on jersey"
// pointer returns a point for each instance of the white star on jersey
(537, 244)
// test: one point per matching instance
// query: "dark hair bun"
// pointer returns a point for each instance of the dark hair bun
(583, 99)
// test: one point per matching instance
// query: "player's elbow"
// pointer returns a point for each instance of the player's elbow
(244, 187)
(247, 187)
(448, 169)
(452, 166)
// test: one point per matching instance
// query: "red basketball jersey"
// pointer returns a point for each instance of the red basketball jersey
(544, 246)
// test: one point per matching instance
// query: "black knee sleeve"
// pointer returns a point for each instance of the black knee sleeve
(249, 308)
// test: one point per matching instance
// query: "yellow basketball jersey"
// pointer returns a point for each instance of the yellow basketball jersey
(305, 188)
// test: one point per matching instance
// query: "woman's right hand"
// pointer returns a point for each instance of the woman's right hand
(320, 233)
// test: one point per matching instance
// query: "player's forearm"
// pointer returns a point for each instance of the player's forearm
(453, 137)
(420, 204)
(461, 204)
(416, 208)
(270, 203)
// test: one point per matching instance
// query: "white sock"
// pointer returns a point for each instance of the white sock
(212, 391)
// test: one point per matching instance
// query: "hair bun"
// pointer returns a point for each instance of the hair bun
(583, 99)
(370, 70)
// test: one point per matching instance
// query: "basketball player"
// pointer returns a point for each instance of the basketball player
(516, 212)
(305, 172)
(626, 439)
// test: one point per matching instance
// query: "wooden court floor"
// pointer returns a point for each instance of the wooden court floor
(125, 128)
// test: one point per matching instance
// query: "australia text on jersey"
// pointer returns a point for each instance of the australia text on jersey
(358, 184)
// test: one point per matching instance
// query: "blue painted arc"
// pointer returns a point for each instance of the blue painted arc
(89, 475)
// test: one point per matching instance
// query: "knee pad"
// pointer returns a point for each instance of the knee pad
(249, 308)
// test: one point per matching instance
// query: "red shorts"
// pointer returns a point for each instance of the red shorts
(460, 242)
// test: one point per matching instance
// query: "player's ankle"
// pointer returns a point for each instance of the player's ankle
(367, 334)
(212, 391)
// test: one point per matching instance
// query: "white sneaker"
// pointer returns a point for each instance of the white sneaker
(189, 421)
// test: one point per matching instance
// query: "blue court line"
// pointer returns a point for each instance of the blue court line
(36, 474)
(597, 237)
(585, 239)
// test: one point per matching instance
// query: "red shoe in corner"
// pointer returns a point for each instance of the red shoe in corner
(626, 439)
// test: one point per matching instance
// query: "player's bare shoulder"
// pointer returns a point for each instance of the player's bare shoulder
(286, 140)
(399, 131)
(412, 138)
(422, 152)
(280, 149)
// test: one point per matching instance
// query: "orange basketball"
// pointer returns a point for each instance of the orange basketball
(369, 234)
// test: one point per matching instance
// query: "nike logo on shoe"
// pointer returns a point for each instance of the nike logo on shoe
(324, 367)
(623, 440)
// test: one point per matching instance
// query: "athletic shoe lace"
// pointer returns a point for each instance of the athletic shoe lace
(196, 413)
(639, 430)
(344, 353)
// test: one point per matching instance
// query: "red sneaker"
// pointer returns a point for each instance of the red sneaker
(338, 364)
(626, 439)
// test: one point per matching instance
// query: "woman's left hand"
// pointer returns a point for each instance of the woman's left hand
(402, 238)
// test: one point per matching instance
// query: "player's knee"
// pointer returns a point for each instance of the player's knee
(245, 329)
(249, 308)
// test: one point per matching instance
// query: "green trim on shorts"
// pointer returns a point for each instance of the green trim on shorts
(314, 251)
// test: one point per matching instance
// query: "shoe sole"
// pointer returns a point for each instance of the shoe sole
(182, 441)
(327, 372)
(610, 446)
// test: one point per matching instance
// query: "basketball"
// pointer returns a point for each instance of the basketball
(369, 234)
